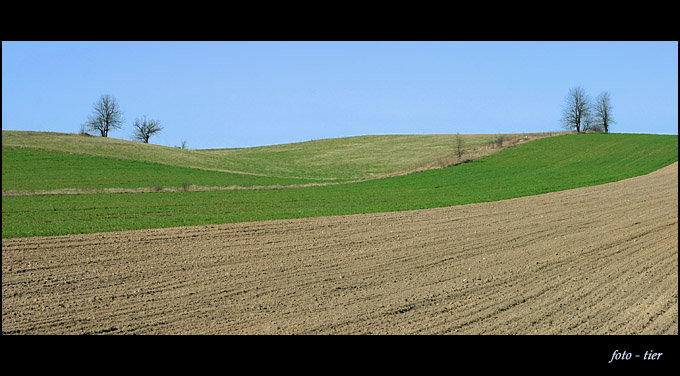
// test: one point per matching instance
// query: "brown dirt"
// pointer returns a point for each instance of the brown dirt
(596, 260)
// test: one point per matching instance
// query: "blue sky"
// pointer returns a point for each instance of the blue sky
(250, 93)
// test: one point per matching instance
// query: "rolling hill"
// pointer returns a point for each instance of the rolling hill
(541, 166)
(73, 157)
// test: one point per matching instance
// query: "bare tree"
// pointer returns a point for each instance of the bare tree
(459, 146)
(145, 128)
(576, 109)
(602, 111)
(106, 116)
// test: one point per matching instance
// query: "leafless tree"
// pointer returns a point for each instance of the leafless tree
(106, 116)
(145, 128)
(602, 111)
(459, 146)
(576, 109)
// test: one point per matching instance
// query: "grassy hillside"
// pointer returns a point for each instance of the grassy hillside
(329, 160)
(355, 158)
(30, 169)
(545, 165)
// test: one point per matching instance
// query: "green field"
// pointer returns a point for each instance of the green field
(328, 160)
(29, 169)
(545, 165)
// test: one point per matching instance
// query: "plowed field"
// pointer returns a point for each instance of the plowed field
(595, 260)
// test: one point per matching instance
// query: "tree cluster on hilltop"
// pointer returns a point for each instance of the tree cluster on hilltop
(107, 116)
(581, 114)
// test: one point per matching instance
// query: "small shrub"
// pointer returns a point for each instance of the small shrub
(83, 131)
(597, 128)
(497, 142)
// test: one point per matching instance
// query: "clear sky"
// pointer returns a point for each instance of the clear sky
(250, 93)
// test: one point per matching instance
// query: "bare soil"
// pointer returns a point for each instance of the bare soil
(595, 260)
